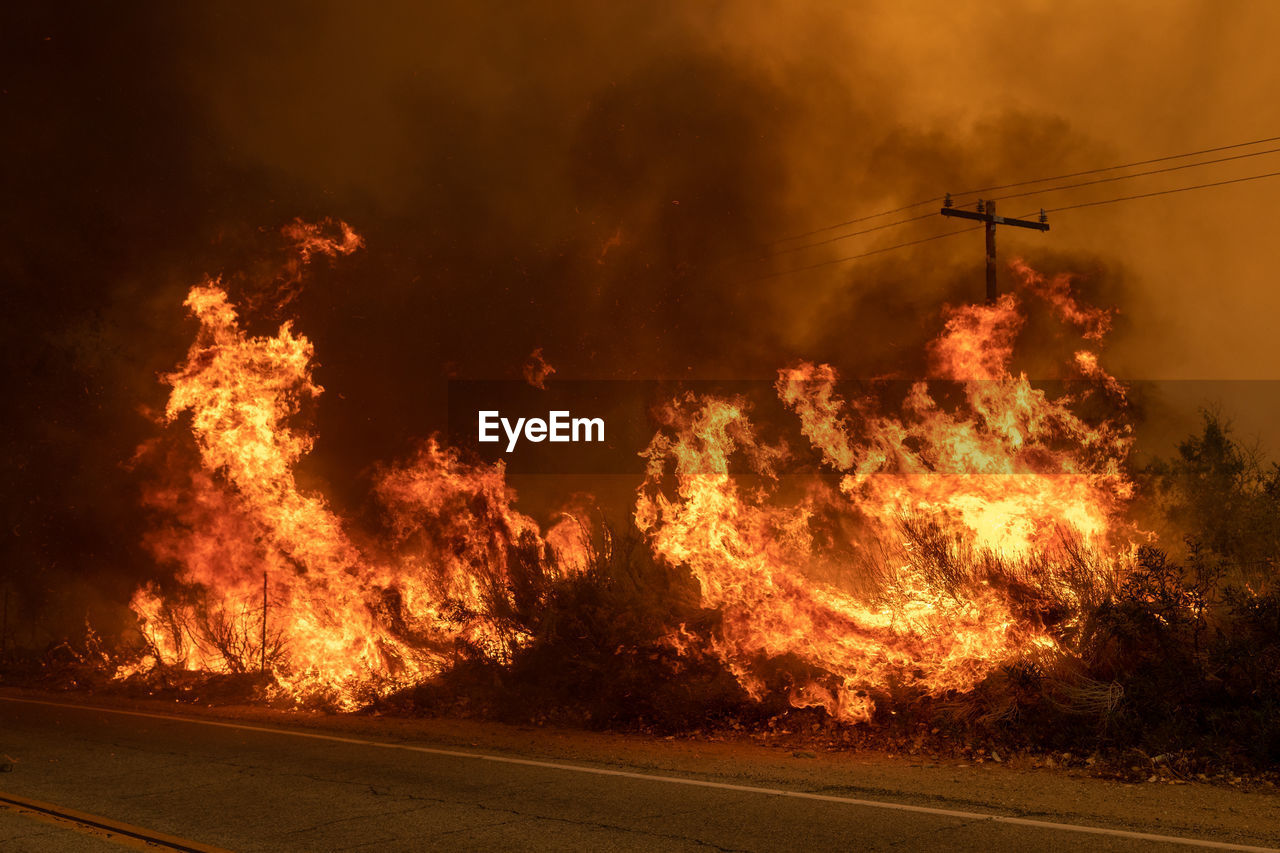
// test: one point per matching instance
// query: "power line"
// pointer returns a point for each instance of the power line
(1137, 174)
(1123, 166)
(792, 249)
(1164, 192)
(840, 237)
(867, 254)
(856, 221)
(945, 234)
(1024, 183)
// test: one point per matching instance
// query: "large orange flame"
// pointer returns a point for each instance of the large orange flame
(975, 530)
(339, 624)
(962, 526)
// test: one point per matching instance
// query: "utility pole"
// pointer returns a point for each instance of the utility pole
(987, 216)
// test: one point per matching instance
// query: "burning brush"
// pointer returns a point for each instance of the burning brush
(963, 527)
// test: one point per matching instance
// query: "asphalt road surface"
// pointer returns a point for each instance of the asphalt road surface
(89, 777)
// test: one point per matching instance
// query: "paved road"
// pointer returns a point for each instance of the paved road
(247, 786)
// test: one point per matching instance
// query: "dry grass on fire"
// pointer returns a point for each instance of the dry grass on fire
(1171, 666)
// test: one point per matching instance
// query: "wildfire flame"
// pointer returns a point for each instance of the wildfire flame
(537, 370)
(958, 527)
(978, 527)
(335, 622)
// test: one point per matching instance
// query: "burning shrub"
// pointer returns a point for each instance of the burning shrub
(987, 525)
(961, 559)
(268, 573)
(596, 650)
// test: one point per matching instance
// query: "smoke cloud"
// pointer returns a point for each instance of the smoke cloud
(605, 182)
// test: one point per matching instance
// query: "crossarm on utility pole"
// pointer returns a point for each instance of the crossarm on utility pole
(998, 220)
(986, 214)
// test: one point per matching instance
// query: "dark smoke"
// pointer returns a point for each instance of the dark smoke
(599, 180)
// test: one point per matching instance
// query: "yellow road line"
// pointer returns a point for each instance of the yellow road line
(103, 826)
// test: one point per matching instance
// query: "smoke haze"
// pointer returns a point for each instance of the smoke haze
(602, 181)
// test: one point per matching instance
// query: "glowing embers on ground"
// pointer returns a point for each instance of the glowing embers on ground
(973, 530)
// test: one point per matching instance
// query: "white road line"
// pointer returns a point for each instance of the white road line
(670, 780)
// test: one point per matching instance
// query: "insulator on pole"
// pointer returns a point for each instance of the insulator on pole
(982, 207)
(946, 201)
